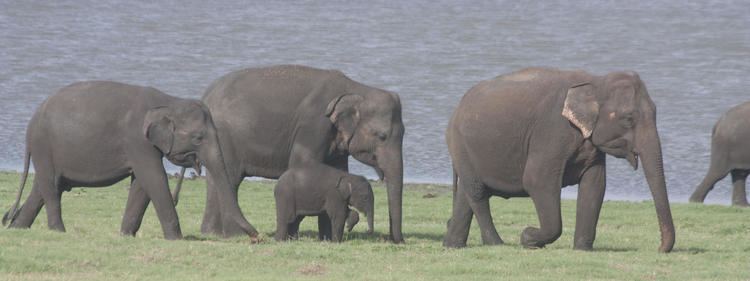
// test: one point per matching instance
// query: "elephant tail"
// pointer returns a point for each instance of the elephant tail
(178, 187)
(13, 212)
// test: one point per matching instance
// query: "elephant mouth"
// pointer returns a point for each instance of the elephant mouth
(187, 159)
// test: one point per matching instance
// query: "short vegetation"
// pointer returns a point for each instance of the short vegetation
(713, 243)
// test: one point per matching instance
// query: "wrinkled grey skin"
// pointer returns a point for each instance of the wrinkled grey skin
(730, 153)
(531, 132)
(324, 192)
(94, 134)
(274, 118)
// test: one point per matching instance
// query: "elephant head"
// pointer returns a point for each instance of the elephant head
(184, 132)
(358, 193)
(616, 113)
(370, 129)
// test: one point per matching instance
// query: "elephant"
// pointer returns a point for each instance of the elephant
(96, 133)
(531, 132)
(321, 191)
(730, 153)
(270, 119)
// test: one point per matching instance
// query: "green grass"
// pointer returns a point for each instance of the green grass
(713, 243)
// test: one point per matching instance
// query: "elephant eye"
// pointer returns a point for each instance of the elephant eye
(627, 121)
(197, 139)
(381, 136)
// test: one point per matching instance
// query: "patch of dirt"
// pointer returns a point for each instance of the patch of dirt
(150, 257)
(313, 269)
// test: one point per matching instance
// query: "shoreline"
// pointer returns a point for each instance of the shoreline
(568, 193)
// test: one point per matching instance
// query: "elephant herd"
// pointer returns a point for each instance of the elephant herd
(523, 134)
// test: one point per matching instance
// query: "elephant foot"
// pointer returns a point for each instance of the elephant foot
(530, 240)
(492, 239)
(584, 246)
(741, 204)
(454, 243)
(696, 199)
(233, 230)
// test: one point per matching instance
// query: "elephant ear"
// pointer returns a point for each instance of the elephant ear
(158, 128)
(581, 108)
(344, 114)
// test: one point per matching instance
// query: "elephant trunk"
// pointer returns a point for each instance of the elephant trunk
(370, 213)
(213, 158)
(649, 150)
(391, 162)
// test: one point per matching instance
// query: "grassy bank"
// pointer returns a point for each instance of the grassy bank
(713, 243)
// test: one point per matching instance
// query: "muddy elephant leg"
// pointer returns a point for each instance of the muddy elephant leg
(29, 209)
(739, 197)
(212, 223)
(324, 227)
(590, 197)
(135, 208)
(460, 221)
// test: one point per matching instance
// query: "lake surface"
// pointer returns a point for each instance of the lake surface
(694, 58)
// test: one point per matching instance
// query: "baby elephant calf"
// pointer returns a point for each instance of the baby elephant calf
(324, 192)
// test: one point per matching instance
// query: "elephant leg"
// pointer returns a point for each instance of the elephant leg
(294, 227)
(134, 209)
(212, 220)
(29, 209)
(282, 228)
(152, 179)
(739, 198)
(211, 224)
(459, 223)
(715, 173)
(324, 227)
(590, 197)
(481, 208)
(543, 184)
(53, 207)
(46, 187)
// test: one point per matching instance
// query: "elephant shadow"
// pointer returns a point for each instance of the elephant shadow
(438, 237)
(354, 235)
(691, 250)
(614, 249)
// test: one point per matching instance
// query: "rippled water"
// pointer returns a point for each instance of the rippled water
(694, 58)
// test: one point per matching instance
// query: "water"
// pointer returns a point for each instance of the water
(694, 58)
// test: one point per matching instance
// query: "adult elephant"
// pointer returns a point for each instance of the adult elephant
(531, 132)
(96, 133)
(272, 118)
(730, 153)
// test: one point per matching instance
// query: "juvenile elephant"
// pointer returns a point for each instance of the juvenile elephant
(531, 132)
(94, 134)
(730, 152)
(324, 192)
(274, 118)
